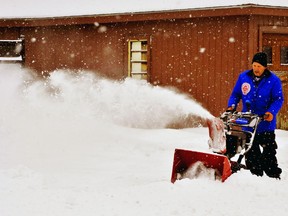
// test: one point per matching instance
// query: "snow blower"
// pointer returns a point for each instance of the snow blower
(230, 135)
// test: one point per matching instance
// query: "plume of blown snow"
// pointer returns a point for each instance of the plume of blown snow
(67, 95)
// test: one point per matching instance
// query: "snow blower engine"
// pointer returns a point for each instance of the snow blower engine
(231, 134)
(239, 129)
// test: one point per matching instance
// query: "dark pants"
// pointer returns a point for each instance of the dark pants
(258, 161)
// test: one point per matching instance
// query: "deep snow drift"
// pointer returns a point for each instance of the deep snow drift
(77, 144)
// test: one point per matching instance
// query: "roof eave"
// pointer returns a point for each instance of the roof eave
(239, 10)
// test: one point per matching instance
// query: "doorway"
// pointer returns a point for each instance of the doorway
(275, 45)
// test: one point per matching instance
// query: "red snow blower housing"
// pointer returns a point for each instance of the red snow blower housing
(231, 134)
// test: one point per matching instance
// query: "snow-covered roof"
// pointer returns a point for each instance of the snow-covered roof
(59, 8)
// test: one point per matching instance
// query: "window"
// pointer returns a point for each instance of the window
(137, 58)
(276, 48)
(12, 50)
(268, 51)
(284, 55)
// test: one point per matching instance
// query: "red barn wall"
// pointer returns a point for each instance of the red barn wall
(199, 56)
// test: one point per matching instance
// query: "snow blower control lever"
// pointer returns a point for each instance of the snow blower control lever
(240, 129)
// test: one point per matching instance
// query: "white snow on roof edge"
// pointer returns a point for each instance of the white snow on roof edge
(64, 8)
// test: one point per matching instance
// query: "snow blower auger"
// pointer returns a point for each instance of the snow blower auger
(230, 135)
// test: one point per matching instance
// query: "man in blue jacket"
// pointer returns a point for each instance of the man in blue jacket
(264, 91)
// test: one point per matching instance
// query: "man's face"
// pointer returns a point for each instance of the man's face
(258, 69)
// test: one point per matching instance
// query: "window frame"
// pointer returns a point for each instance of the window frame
(144, 75)
(20, 58)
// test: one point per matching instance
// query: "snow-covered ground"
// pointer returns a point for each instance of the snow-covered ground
(82, 145)
(52, 8)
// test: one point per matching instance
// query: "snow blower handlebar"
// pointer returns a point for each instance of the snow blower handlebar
(245, 122)
(241, 124)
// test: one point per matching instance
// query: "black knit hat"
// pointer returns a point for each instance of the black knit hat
(260, 58)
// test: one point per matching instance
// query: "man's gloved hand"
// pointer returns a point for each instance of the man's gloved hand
(268, 116)
(230, 109)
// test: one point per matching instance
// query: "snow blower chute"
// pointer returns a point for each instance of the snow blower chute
(233, 133)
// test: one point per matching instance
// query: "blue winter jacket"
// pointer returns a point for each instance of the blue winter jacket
(265, 95)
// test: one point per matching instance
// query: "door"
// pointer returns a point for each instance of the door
(276, 47)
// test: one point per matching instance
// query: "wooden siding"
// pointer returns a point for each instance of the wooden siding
(9, 33)
(282, 118)
(196, 57)
(200, 57)
(75, 47)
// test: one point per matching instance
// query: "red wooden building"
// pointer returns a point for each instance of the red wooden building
(198, 51)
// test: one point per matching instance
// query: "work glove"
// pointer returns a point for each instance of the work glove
(230, 109)
(268, 116)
